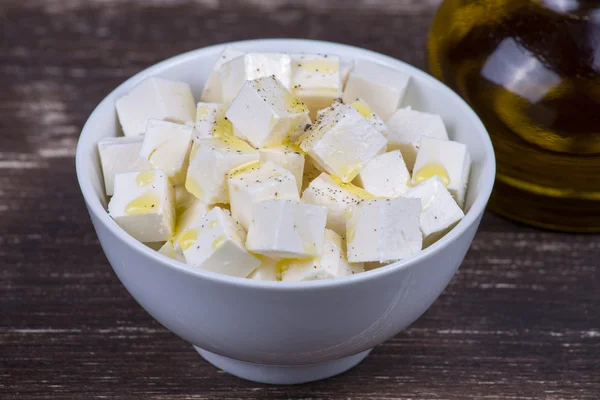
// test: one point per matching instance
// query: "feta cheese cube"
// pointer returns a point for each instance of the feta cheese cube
(331, 264)
(338, 197)
(287, 229)
(217, 245)
(143, 205)
(385, 176)
(316, 79)
(255, 183)
(211, 121)
(253, 66)
(342, 142)
(381, 87)
(384, 230)
(166, 146)
(286, 156)
(156, 98)
(266, 271)
(211, 93)
(440, 213)
(210, 161)
(191, 217)
(118, 155)
(168, 250)
(407, 127)
(447, 159)
(266, 113)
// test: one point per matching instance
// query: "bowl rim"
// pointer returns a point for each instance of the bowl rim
(471, 217)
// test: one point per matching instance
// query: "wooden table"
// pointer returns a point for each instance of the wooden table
(521, 319)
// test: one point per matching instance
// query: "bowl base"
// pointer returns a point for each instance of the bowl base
(282, 374)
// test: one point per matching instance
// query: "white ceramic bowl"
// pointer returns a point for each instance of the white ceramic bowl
(276, 332)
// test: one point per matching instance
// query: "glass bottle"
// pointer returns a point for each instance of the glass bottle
(531, 70)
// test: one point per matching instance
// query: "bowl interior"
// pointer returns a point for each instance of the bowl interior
(424, 94)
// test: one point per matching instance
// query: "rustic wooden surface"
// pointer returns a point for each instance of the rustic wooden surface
(521, 319)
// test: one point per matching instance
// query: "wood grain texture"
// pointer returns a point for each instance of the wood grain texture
(520, 320)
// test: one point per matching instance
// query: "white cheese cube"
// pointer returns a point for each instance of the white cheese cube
(287, 229)
(211, 121)
(211, 93)
(338, 197)
(168, 250)
(384, 230)
(253, 66)
(191, 217)
(210, 161)
(155, 98)
(266, 113)
(217, 245)
(331, 264)
(316, 79)
(167, 146)
(447, 159)
(286, 156)
(363, 108)
(342, 142)
(258, 182)
(144, 205)
(266, 271)
(385, 176)
(311, 172)
(381, 87)
(118, 155)
(407, 127)
(440, 213)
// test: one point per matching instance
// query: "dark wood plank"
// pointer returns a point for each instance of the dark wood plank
(521, 319)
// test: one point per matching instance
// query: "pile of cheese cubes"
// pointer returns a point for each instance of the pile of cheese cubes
(292, 167)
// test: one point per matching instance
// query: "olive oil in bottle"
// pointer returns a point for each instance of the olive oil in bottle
(531, 70)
